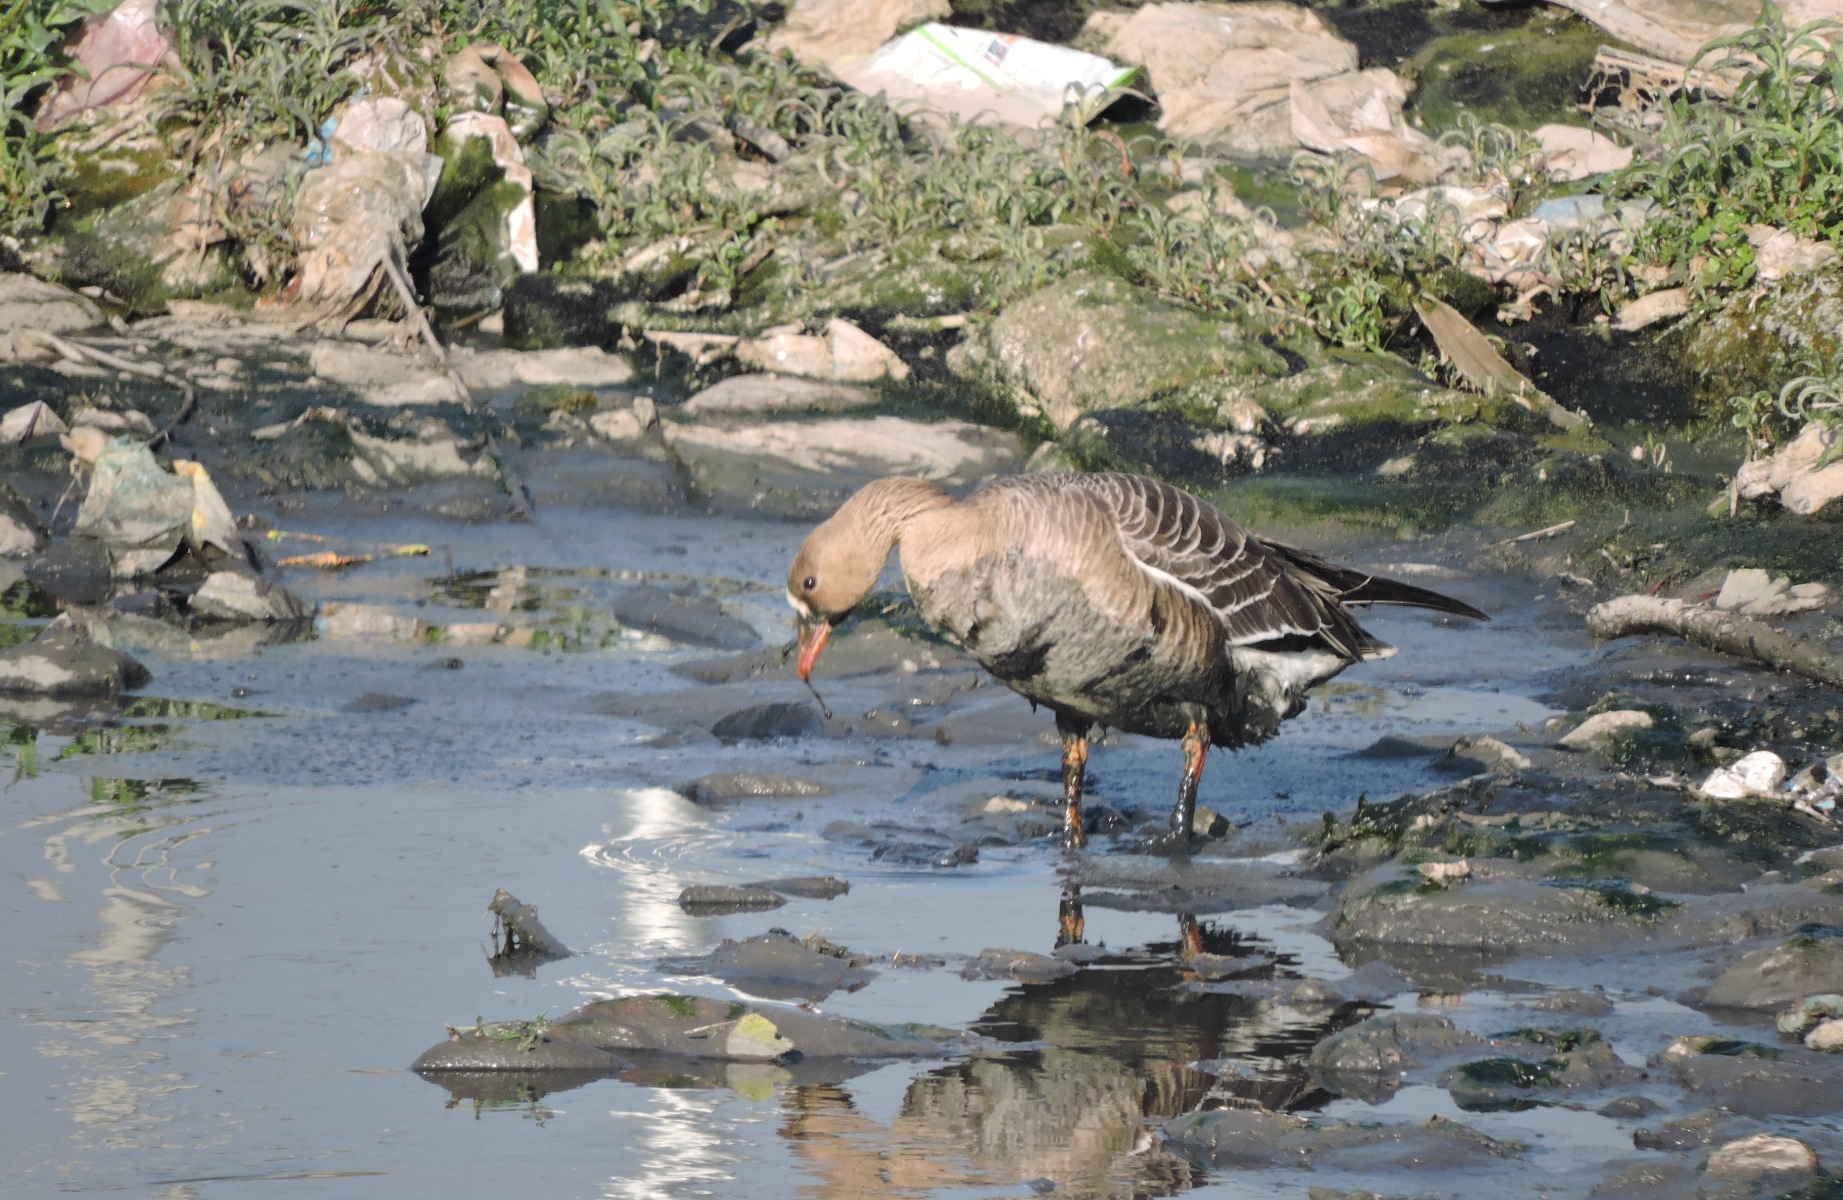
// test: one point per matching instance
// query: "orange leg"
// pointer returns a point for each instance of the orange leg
(1074, 770)
(1196, 749)
(1071, 927)
(1189, 936)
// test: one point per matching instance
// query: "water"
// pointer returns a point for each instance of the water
(228, 938)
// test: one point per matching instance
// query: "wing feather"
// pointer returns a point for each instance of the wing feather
(1261, 591)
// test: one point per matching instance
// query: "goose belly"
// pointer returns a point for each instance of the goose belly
(1038, 632)
(1272, 684)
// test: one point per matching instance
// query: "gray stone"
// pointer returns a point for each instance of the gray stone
(1021, 965)
(1776, 976)
(776, 394)
(64, 661)
(683, 1025)
(1602, 728)
(1093, 342)
(20, 531)
(75, 570)
(713, 899)
(1486, 754)
(1387, 1046)
(242, 596)
(29, 303)
(1571, 1000)
(764, 721)
(811, 887)
(779, 966)
(507, 1048)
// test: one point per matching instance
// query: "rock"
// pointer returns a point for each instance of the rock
(28, 421)
(76, 570)
(811, 887)
(950, 452)
(1388, 1046)
(545, 311)
(30, 303)
(348, 217)
(688, 618)
(1799, 1019)
(1780, 253)
(843, 353)
(379, 123)
(1793, 473)
(433, 453)
(839, 33)
(1570, 152)
(241, 596)
(739, 785)
(1601, 729)
(764, 721)
(1755, 593)
(518, 932)
(696, 1025)
(1487, 753)
(622, 424)
(1759, 1081)
(776, 394)
(1678, 32)
(116, 55)
(1652, 308)
(484, 214)
(710, 899)
(1445, 873)
(1572, 1000)
(1243, 1138)
(1092, 342)
(1762, 1155)
(20, 531)
(485, 78)
(64, 661)
(779, 966)
(1630, 1108)
(1775, 976)
(384, 377)
(1761, 773)
(1574, 1061)
(1828, 1037)
(579, 366)
(514, 1047)
(1021, 965)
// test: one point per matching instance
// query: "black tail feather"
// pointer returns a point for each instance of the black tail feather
(1360, 587)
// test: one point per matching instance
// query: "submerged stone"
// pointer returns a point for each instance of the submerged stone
(779, 966)
(684, 617)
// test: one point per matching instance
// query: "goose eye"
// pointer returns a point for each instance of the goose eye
(810, 583)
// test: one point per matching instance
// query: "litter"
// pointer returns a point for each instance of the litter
(974, 73)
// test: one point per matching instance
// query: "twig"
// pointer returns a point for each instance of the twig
(77, 352)
(1535, 535)
(400, 281)
(1727, 633)
(522, 508)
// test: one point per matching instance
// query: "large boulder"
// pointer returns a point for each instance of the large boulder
(64, 661)
(1778, 975)
(836, 34)
(29, 303)
(1091, 342)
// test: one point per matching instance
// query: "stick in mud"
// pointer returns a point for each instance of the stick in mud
(1742, 637)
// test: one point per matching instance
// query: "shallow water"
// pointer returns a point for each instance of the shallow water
(229, 938)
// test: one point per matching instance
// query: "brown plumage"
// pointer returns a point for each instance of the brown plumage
(1112, 600)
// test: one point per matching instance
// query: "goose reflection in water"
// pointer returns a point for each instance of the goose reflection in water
(1102, 1058)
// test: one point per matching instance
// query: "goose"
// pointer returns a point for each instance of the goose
(1110, 599)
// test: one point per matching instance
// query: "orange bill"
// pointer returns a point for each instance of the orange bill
(813, 635)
